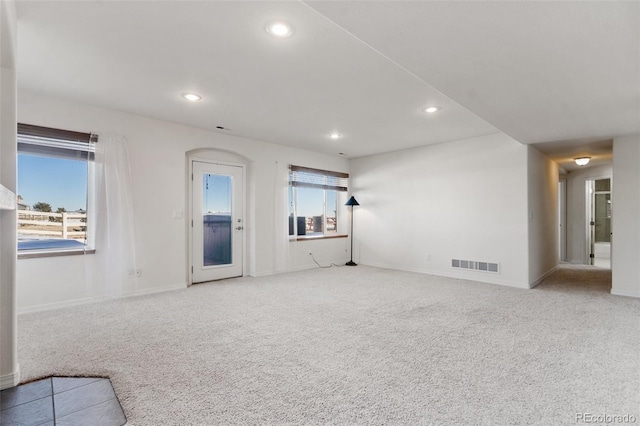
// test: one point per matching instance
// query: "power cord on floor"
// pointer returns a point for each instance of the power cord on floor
(324, 267)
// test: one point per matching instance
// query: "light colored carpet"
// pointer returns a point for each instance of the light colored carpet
(354, 345)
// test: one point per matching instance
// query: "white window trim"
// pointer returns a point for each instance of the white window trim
(55, 139)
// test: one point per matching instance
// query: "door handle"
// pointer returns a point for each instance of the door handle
(239, 228)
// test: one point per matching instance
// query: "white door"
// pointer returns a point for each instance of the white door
(217, 220)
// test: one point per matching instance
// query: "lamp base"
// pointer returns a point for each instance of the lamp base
(351, 263)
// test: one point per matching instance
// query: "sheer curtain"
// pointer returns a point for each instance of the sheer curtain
(111, 209)
(282, 245)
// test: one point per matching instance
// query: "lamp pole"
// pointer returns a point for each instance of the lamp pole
(352, 202)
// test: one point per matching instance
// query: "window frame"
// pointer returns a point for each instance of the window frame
(57, 143)
(325, 180)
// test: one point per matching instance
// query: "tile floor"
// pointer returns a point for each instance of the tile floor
(59, 401)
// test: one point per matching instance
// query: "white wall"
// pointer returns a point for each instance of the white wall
(158, 158)
(465, 200)
(9, 370)
(576, 210)
(625, 223)
(543, 215)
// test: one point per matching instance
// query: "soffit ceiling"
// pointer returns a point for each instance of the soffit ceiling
(542, 72)
(564, 153)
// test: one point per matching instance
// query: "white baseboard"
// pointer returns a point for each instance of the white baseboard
(264, 273)
(314, 266)
(95, 299)
(59, 305)
(625, 293)
(300, 268)
(10, 380)
(543, 276)
(153, 290)
(480, 277)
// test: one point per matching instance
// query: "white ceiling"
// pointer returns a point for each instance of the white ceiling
(547, 72)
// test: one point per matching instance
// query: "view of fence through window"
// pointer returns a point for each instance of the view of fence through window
(313, 200)
(313, 207)
(52, 202)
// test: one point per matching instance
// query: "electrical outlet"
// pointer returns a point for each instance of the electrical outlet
(138, 273)
(427, 256)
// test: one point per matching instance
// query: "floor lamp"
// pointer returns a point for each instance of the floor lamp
(352, 202)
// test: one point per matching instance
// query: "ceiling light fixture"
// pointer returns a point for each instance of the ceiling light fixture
(191, 97)
(335, 135)
(431, 109)
(582, 161)
(279, 29)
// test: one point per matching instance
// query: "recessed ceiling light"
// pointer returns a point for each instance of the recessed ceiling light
(279, 29)
(335, 135)
(191, 97)
(431, 109)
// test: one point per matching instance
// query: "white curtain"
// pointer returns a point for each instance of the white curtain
(111, 210)
(282, 245)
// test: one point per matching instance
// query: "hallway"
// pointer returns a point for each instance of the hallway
(578, 278)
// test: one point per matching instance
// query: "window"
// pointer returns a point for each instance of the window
(315, 200)
(54, 170)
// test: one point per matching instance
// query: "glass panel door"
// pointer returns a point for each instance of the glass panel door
(602, 217)
(217, 221)
(600, 223)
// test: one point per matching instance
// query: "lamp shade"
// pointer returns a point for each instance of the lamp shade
(352, 202)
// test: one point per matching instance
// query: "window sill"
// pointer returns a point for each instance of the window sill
(33, 254)
(318, 237)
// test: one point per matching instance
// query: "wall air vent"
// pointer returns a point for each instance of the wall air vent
(476, 265)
